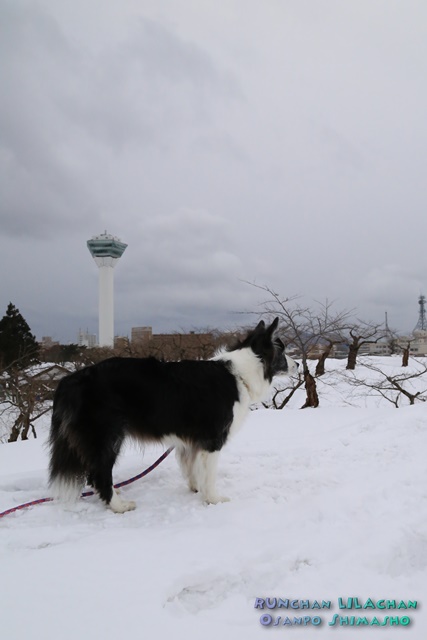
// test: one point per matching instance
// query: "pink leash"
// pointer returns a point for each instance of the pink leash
(85, 494)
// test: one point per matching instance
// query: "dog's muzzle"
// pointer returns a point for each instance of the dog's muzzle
(284, 365)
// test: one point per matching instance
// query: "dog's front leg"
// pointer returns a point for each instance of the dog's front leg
(118, 505)
(206, 477)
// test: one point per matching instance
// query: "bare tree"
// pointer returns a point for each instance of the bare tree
(27, 396)
(306, 332)
(358, 335)
(392, 386)
(406, 351)
(320, 367)
(312, 397)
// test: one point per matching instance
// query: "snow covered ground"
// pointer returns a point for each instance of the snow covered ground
(325, 504)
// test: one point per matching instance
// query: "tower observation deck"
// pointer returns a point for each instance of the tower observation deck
(106, 251)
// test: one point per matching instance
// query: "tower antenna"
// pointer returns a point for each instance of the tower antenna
(422, 320)
(387, 328)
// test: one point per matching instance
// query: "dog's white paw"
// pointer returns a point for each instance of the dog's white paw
(216, 499)
(121, 506)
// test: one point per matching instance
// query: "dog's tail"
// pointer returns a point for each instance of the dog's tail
(67, 469)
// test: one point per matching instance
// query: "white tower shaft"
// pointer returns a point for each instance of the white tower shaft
(106, 306)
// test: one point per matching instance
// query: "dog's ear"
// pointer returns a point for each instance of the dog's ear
(260, 326)
(272, 328)
(279, 344)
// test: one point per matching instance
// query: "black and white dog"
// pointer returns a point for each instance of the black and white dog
(195, 405)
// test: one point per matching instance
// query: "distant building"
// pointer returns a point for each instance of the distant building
(47, 342)
(86, 339)
(380, 348)
(121, 342)
(417, 342)
(141, 334)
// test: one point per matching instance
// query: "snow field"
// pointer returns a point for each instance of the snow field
(325, 503)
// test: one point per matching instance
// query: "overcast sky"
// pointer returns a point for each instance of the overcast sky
(281, 142)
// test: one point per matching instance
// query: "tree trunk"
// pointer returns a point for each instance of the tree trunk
(352, 356)
(405, 356)
(16, 430)
(312, 399)
(320, 367)
(25, 430)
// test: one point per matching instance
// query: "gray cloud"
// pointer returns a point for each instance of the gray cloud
(194, 269)
(70, 114)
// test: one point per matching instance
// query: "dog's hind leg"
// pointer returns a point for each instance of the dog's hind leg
(66, 471)
(102, 480)
(186, 456)
(205, 473)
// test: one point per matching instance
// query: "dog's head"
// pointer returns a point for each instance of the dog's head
(270, 350)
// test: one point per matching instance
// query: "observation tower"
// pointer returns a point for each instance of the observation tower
(106, 250)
